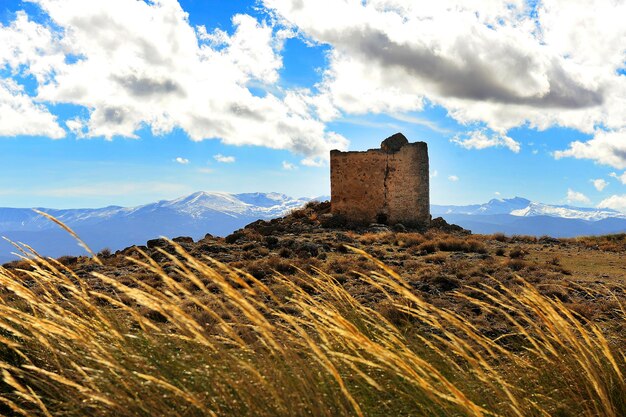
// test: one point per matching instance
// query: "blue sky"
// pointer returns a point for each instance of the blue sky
(129, 104)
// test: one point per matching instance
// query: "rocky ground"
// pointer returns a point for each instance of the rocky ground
(587, 274)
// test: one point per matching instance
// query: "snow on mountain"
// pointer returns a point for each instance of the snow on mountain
(521, 207)
(567, 212)
(118, 227)
(221, 213)
(194, 206)
(495, 206)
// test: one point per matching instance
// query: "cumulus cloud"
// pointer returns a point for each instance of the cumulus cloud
(615, 202)
(135, 64)
(620, 178)
(182, 161)
(600, 184)
(478, 139)
(453, 178)
(224, 159)
(20, 115)
(577, 197)
(501, 64)
(608, 148)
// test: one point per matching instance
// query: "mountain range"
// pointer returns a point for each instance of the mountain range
(220, 214)
(118, 227)
(524, 217)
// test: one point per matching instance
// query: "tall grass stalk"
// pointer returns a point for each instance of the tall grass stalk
(210, 340)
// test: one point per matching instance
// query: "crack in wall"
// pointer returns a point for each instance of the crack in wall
(385, 210)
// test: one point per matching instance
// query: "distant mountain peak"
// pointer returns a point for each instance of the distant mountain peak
(522, 207)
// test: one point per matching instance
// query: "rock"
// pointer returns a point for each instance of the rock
(332, 221)
(271, 242)
(307, 250)
(393, 143)
(206, 248)
(399, 227)
(441, 224)
(378, 228)
(235, 237)
(157, 243)
(183, 239)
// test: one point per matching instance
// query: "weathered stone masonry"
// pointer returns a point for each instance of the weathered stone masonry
(388, 185)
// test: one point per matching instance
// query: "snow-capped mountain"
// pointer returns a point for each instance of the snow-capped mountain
(195, 206)
(522, 207)
(495, 206)
(117, 227)
(521, 216)
(221, 213)
(567, 212)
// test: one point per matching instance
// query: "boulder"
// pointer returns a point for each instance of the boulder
(394, 143)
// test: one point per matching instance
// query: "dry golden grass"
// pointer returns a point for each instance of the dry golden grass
(186, 335)
(211, 340)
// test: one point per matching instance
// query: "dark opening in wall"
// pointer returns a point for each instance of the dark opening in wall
(382, 218)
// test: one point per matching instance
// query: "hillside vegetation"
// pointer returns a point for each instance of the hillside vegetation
(294, 317)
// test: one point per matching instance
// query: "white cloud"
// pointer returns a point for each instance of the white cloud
(477, 139)
(137, 64)
(20, 115)
(497, 193)
(620, 178)
(615, 202)
(420, 122)
(490, 62)
(453, 178)
(607, 148)
(434, 173)
(224, 159)
(182, 161)
(313, 162)
(288, 166)
(576, 197)
(600, 184)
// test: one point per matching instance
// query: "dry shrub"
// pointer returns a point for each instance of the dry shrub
(409, 240)
(517, 253)
(609, 243)
(452, 244)
(428, 247)
(500, 237)
(371, 238)
(294, 346)
(523, 239)
(516, 264)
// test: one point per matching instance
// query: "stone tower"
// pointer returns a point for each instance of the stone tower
(388, 185)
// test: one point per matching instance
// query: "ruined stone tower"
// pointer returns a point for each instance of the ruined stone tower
(388, 185)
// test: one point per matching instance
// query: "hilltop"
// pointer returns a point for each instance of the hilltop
(436, 261)
(220, 214)
(339, 319)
